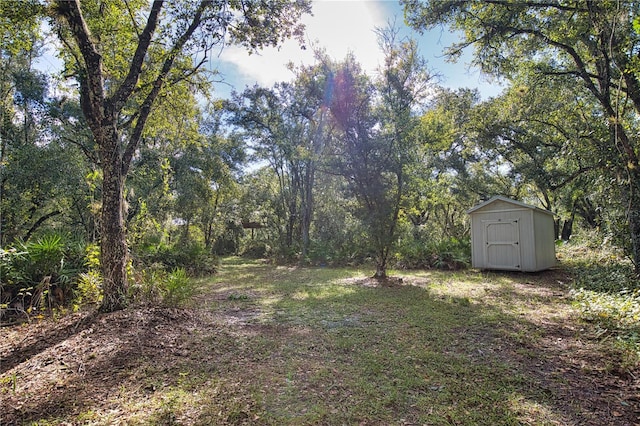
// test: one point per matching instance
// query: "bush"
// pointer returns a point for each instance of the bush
(415, 253)
(89, 288)
(192, 257)
(40, 274)
(12, 279)
(157, 286)
(177, 288)
(256, 250)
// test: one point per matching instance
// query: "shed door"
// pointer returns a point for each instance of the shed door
(502, 244)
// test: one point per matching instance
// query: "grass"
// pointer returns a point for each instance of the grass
(277, 345)
(606, 292)
(332, 350)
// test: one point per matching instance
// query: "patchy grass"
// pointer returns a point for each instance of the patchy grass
(606, 292)
(275, 345)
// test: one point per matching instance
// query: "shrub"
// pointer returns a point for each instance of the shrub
(89, 288)
(40, 274)
(414, 252)
(9, 261)
(177, 288)
(157, 286)
(192, 256)
(256, 249)
(147, 286)
(46, 257)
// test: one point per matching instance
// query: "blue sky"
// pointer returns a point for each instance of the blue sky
(340, 27)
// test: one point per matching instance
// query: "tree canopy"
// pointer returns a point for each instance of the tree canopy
(588, 46)
(122, 74)
(133, 153)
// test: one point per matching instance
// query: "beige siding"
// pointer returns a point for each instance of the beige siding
(511, 236)
(544, 241)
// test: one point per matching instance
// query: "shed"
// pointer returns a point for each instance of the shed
(511, 235)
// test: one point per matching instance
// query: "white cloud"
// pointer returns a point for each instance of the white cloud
(339, 26)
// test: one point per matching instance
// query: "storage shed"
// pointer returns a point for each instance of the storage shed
(513, 236)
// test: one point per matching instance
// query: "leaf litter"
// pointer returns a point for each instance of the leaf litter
(231, 360)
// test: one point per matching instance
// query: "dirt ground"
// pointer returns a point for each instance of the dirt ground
(89, 363)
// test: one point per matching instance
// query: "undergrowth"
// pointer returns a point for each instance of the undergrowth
(606, 291)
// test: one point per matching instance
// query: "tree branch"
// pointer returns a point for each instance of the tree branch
(39, 222)
(127, 87)
(87, 152)
(536, 5)
(145, 108)
(91, 78)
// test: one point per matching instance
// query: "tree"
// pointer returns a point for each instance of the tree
(264, 119)
(533, 126)
(591, 43)
(377, 145)
(286, 127)
(443, 184)
(40, 179)
(118, 96)
(18, 47)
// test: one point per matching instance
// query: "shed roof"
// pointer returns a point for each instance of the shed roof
(507, 200)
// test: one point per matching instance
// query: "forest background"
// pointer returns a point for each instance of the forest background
(335, 166)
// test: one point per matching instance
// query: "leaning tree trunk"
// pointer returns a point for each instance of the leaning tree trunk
(114, 253)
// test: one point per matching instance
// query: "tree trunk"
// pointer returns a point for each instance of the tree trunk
(634, 225)
(114, 253)
(381, 268)
(307, 208)
(634, 217)
(567, 229)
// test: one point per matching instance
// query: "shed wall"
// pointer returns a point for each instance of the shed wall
(504, 260)
(544, 241)
(536, 240)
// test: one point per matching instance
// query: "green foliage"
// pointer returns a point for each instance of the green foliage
(147, 286)
(89, 286)
(341, 253)
(612, 311)
(417, 252)
(192, 256)
(89, 289)
(618, 317)
(597, 265)
(92, 259)
(9, 265)
(178, 288)
(256, 249)
(607, 293)
(47, 273)
(155, 285)
(19, 24)
(46, 257)
(10, 277)
(44, 269)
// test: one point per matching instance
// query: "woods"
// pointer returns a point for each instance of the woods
(299, 250)
(128, 149)
(587, 46)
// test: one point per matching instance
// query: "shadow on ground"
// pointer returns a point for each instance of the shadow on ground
(269, 345)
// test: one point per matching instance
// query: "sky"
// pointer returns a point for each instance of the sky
(341, 27)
